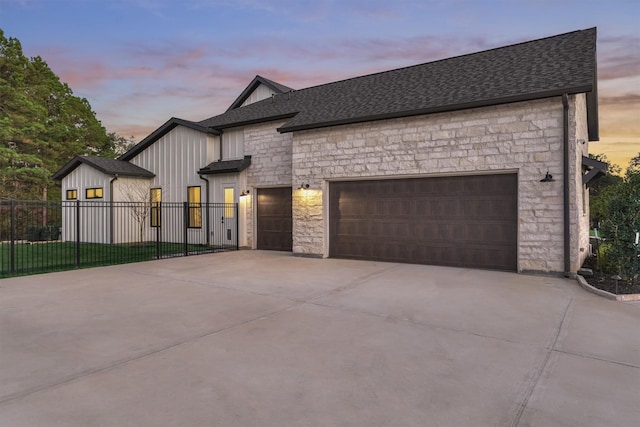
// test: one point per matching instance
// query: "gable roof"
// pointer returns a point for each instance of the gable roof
(163, 130)
(104, 165)
(257, 81)
(531, 70)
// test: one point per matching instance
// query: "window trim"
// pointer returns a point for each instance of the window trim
(194, 219)
(73, 191)
(155, 213)
(95, 191)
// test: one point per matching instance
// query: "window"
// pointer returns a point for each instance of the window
(94, 193)
(72, 194)
(195, 211)
(156, 198)
(229, 208)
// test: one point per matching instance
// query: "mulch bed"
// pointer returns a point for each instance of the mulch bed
(606, 283)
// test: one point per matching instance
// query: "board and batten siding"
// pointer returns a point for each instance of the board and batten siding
(260, 93)
(233, 144)
(94, 220)
(175, 159)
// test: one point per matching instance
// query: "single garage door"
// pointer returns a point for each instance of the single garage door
(275, 220)
(464, 221)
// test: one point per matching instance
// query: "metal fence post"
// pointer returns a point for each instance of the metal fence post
(12, 237)
(237, 229)
(185, 215)
(78, 233)
(158, 228)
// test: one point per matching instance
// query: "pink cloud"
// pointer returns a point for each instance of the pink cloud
(135, 88)
(618, 57)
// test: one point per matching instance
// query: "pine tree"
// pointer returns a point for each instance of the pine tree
(42, 124)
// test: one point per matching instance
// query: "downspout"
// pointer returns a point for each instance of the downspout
(111, 224)
(220, 157)
(565, 178)
(207, 207)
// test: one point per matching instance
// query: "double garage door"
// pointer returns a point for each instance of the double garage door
(465, 221)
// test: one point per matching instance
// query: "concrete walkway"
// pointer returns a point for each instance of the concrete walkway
(256, 338)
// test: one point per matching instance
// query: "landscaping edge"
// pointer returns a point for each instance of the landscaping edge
(624, 298)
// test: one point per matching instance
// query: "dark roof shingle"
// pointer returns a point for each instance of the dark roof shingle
(257, 81)
(226, 166)
(104, 165)
(536, 69)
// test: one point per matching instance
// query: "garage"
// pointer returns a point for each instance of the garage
(274, 219)
(463, 221)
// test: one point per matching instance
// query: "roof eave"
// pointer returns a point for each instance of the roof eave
(255, 121)
(439, 109)
(244, 95)
(244, 163)
(78, 160)
(163, 130)
(65, 170)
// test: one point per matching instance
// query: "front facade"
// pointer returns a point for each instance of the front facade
(493, 179)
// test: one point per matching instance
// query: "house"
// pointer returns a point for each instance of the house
(473, 161)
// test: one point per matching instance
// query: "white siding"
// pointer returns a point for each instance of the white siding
(175, 159)
(94, 218)
(131, 210)
(233, 144)
(260, 93)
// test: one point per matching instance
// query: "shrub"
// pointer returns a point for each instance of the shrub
(37, 233)
(621, 223)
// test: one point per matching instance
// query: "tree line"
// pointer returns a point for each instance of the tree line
(42, 126)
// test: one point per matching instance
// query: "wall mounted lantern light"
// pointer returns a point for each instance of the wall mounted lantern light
(547, 178)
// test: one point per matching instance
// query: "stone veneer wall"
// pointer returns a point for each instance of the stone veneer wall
(270, 153)
(523, 137)
(579, 213)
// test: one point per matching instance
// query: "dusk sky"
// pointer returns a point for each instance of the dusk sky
(141, 62)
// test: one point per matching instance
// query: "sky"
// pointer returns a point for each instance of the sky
(141, 62)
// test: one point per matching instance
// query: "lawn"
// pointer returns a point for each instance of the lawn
(31, 258)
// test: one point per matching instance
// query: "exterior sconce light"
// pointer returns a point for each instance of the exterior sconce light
(547, 178)
(304, 187)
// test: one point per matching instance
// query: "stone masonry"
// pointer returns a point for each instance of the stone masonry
(270, 153)
(523, 137)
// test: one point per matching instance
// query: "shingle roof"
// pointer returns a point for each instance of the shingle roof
(226, 166)
(536, 69)
(257, 80)
(104, 165)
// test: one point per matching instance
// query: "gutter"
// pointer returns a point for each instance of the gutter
(111, 181)
(206, 211)
(565, 179)
(437, 109)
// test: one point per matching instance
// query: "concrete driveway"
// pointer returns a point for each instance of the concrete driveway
(256, 338)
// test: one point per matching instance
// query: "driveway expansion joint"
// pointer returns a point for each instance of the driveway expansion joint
(538, 374)
(123, 362)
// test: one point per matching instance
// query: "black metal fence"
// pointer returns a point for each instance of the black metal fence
(38, 237)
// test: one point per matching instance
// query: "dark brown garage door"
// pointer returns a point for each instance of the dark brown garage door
(466, 221)
(274, 219)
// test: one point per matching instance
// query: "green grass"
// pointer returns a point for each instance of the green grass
(56, 256)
